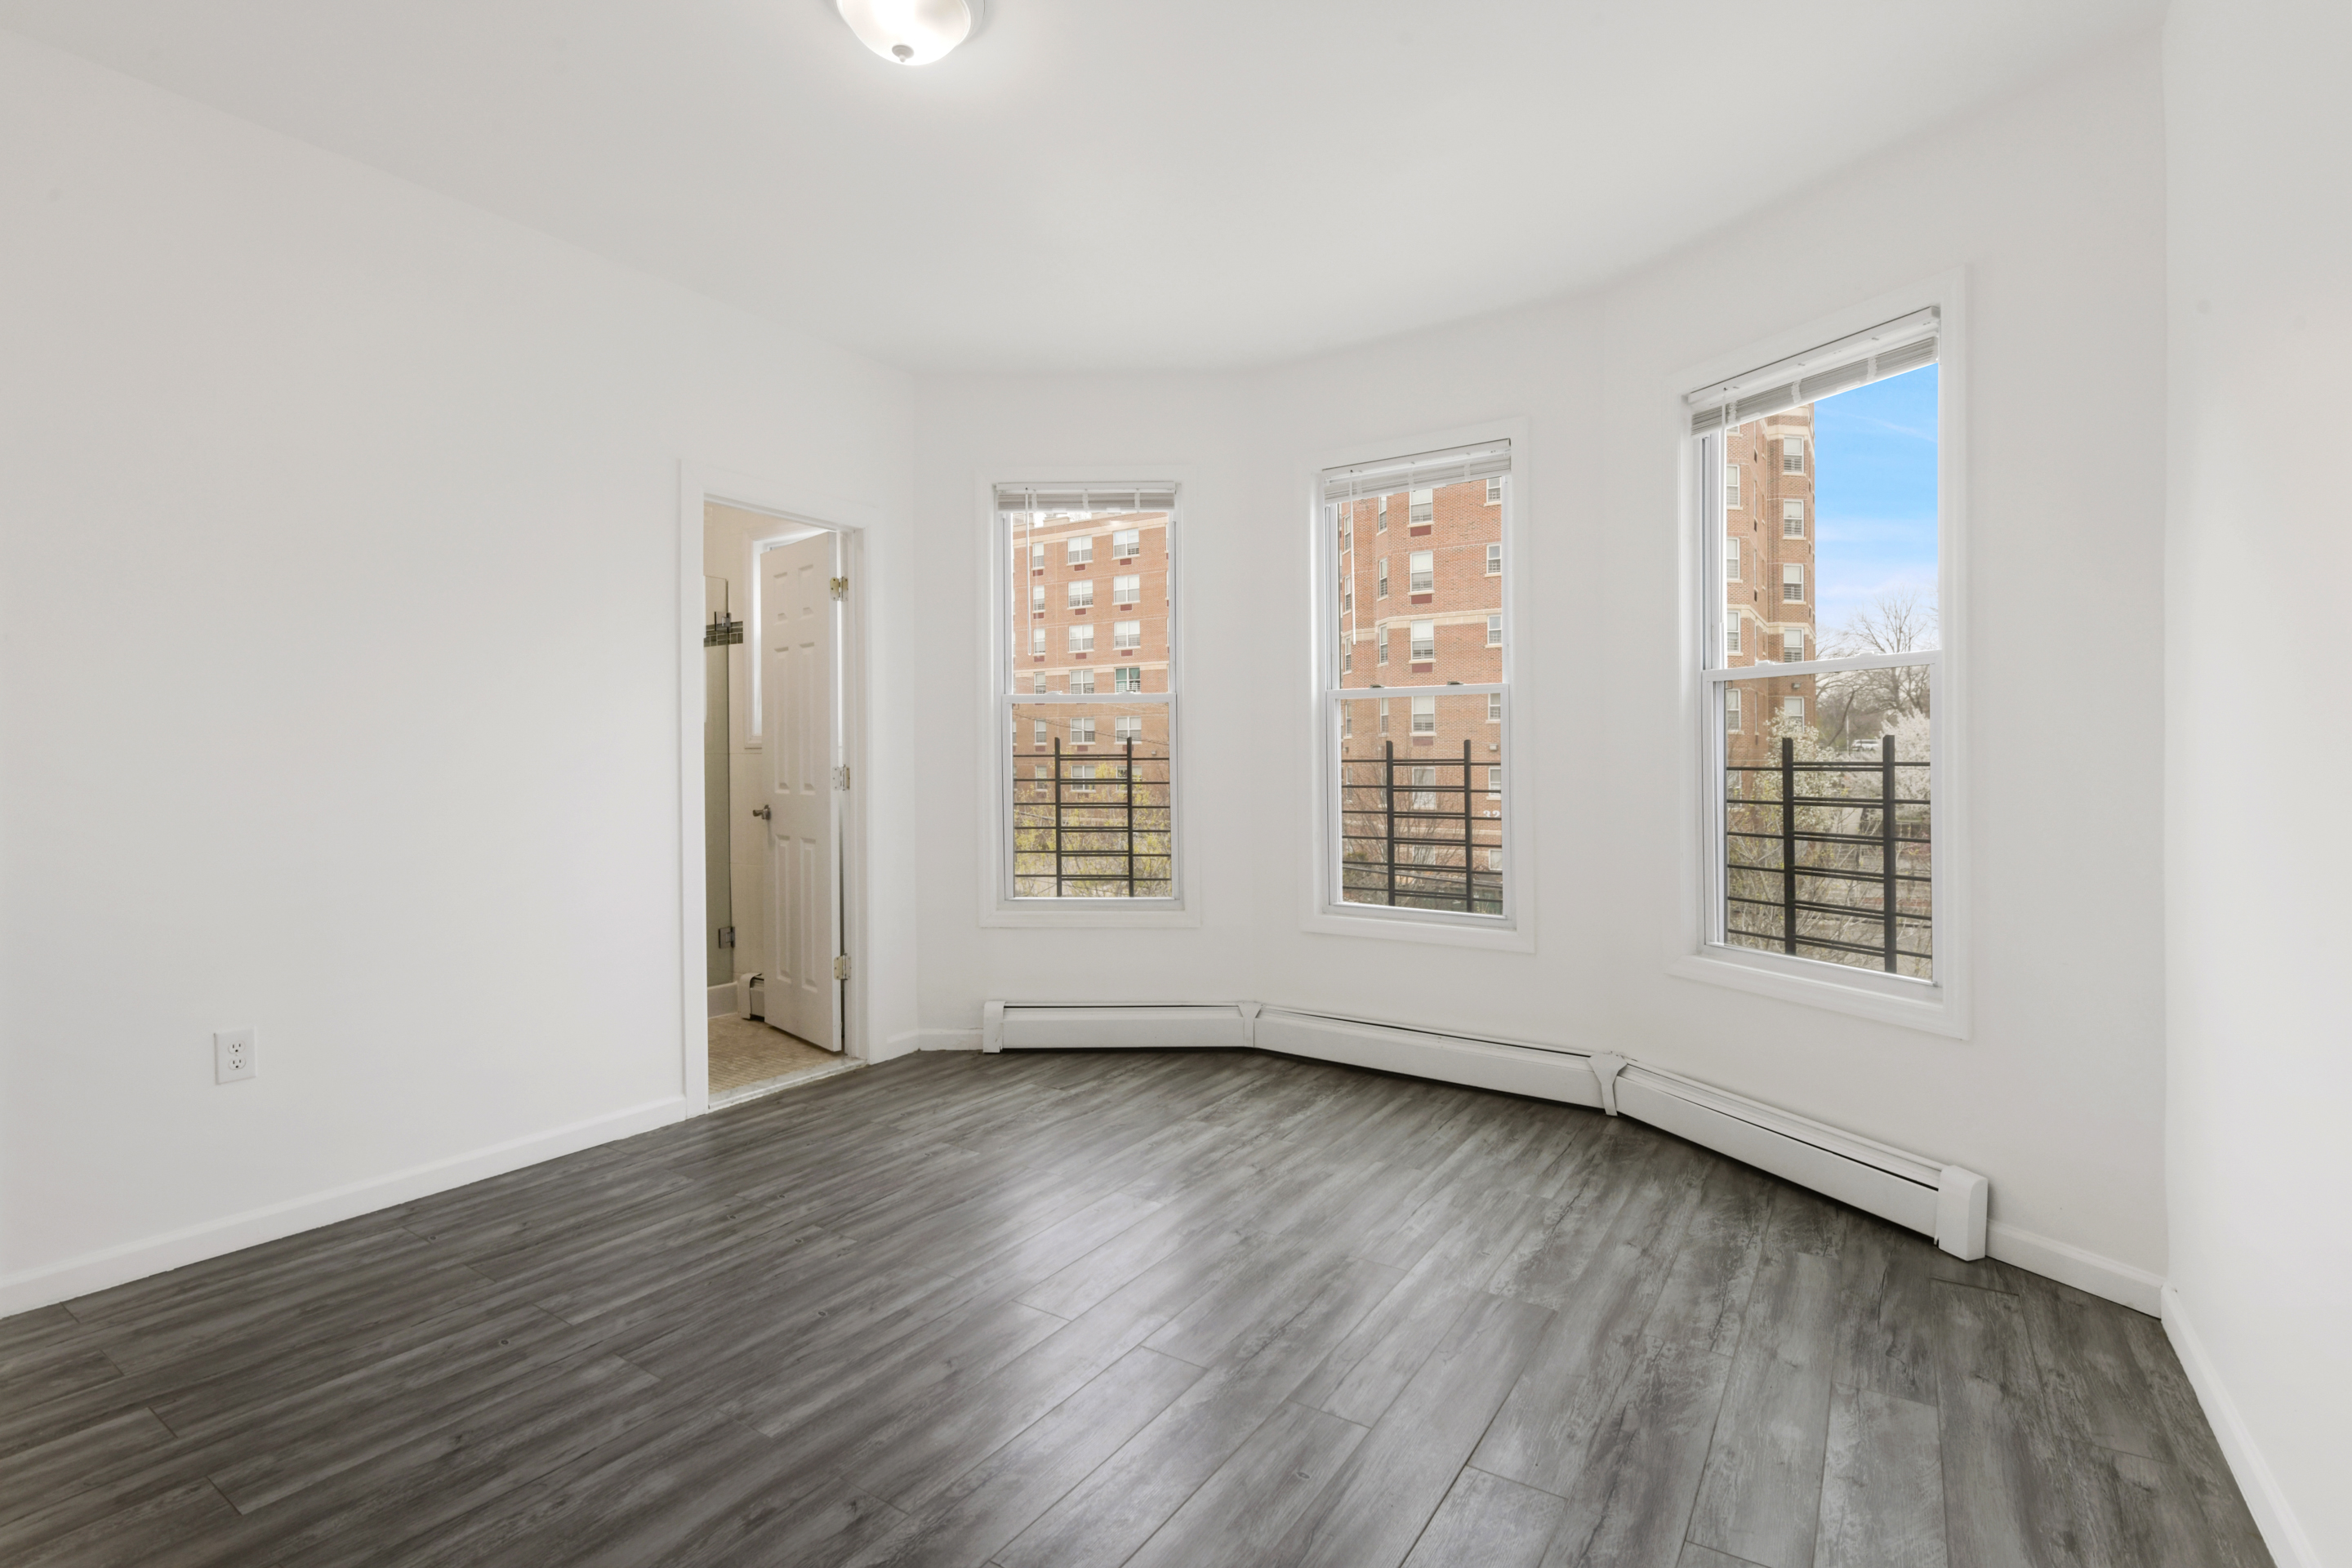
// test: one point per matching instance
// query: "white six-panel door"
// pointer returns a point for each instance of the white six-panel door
(797, 646)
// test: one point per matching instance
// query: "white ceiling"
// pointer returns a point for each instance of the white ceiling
(1102, 182)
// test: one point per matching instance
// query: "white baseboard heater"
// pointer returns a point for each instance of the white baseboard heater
(1944, 1202)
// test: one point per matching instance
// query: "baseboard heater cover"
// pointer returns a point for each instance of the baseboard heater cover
(1944, 1202)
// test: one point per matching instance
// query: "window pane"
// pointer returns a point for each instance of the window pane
(1420, 805)
(1083, 827)
(1818, 884)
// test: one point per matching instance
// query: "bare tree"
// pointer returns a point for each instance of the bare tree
(1861, 704)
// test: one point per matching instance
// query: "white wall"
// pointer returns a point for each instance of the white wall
(343, 619)
(2257, 557)
(2054, 201)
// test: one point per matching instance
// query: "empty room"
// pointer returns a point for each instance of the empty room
(1011, 784)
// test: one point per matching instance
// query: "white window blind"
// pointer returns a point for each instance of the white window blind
(1886, 350)
(1792, 520)
(1731, 567)
(1419, 473)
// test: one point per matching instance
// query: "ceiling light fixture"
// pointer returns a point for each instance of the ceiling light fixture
(911, 32)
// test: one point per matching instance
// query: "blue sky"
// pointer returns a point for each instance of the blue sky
(1874, 490)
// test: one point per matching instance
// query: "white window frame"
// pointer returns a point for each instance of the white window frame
(1125, 727)
(1792, 511)
(994, 685)
(1735, 565)
(1940, 1006)
(1121, 629)
(1123, 582)
(1087, 676)
(1070, 556)
(1071, 646)
(1132, 535)
(1413, 573)
(1319, 908)
(1082, 594)
(1730, 485)
(1493, 560)
(1792, 572)
(1494, 628)
(1413, 642)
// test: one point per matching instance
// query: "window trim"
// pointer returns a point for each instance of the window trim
(997, 626)
(1515, 930)
(1942, 1006)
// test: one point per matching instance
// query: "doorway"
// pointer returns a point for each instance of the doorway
(778, 896)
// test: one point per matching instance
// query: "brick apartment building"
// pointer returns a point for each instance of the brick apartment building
(1421, 603)
(1770, 587)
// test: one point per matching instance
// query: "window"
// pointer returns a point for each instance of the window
(1127, 677)
(1081, 551)
(1382, 526)
(1038, 557)
(1082, 732)
(1040, 737)
(1041, 683)
(1130, 727)
(1082, 639)
(1126, 543)
(1037, 599)
(1081, 774)
(1082, 594)
(1451, 737)
(1830, 898)
(1125, 635)
(1038, 643)
(1082, 683)
(1126, 592)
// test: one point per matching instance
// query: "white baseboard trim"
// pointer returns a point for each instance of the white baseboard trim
(720, 1002)
(2283, 1532)
(915, 1040)
(2070, 1264)
(130, 1260)
(1133, 1027)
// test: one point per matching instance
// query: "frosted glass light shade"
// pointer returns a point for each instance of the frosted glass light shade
(911, 32)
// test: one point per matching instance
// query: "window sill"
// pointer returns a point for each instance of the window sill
(1404, 927)
(1910, 1005)
(1060, 916)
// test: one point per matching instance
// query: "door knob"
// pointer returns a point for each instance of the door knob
(761, 810)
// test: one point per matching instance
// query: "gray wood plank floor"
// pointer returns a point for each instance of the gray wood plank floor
(1094, 1309)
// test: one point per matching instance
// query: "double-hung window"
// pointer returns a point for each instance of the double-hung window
(1821, 814)
(1037, 598)
(1414, 825)
(1112, 837)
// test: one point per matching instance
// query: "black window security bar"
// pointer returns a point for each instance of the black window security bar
(1830, 858)
(1432, 845)
(1102, 834)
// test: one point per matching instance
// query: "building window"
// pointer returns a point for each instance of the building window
(1126, 543)
(1038, 643)
(1037, 599)
(1452, 698)
(1082, 594)
(1038, 557)
(1841, 902)
(1082, 639)
(1039, 736)
(1082, 732)
(1082, 683)
(1127, 677)
(1382, 525)
(1127, 592)
(1126, 636)
(1081, 551)
(1130, 727)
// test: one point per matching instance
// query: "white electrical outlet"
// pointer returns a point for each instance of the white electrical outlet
(231, 1055)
